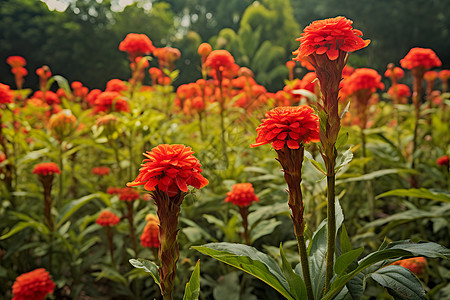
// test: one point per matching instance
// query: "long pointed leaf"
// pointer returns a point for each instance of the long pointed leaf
(192, 290)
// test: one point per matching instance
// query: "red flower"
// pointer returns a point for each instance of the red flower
(329, 36)
(50, 97)
(430, 75)
(290, 64)
(155, 73)
(150, 235)
(415, 264)
(113, 190)
(398, 73)
(109, 102)
(116, 85)
(443, 160)
(45, 169)
(100, 171)
(19, 71)
(136, 45)
(171, 168)
(76, 85)
(402, 91)
(62, 124)
(92, 96)
(242, 194)
(365, 79)
(288, 126)
(16, 61)
(107, 218)
(128, 194)
(204, 49)
(6, 94)
(33, 285)
(220, 60)
(420, 57)
(444, 75)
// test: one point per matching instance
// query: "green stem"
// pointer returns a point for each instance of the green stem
(369, 187)
(132, 231)
(331, 230)
(61, 166)
(305, 266)
(244, 214)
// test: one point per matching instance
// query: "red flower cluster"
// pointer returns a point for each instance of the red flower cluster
(6, 94)
(204, 50)
(420, 57)
(16, 61)
(100, 171)
(444, 75)
(116, 85)
(113, 190)
(150, 235)
(417, 265)
(128, 194)
(170, 168)
(288, 126)
(443, 160)
(33, 285)
(402, 92)
(330, 36)
(167, 56)
(50, 97)
(430, 75)
(136, 45)
(110, 101)
(107, 218)
(45, 169)
(398, 73)
(62, 124)
(219, 60)
(43, 72)
(242, 194)
(364, 79)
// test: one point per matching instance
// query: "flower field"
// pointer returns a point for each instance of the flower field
(334, 187)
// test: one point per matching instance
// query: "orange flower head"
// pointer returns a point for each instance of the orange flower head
(100, 171)
(136, 45)
(443, 161)
(444, 75)
(347, 71)
(242, 194)
(19, 71)
(288, 126)
(150, 235)
(329, 37)
(398, 73)
(62, 124)
(43, 72)
(50, 97)
(204, 49)
(155, 73)
(220, 60)
(170, 168)
(402, 90)
(417, 265)
(34, 285)
(92, 96)
(246, 72)
(76, 85)
(6, 94)
(110, 102)
(365, 79)
(116, 85)
(430, 76)
(290, 64)
(113, 190)
(45, 169)
(420, 57)
(107, 218)
(128, 194)
(16, 61)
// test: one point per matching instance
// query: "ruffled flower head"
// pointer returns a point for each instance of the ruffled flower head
(136, 45)
(443, 160)
(16, 61)
(204, 49)
(62, 124)
(6, 94)
(110, 101)
(33, 285)
(242, 194)
(150, 235)
(328, 37)
(107, 218)
(444, 75)
(430, 76)
(128, 194)
(170, 168)
(402, 92)
(420, 57)
(397, 72)
(288, 126)
(365, 79)
(116, 85)
(100, 171)
(220, 60)
(45, 169)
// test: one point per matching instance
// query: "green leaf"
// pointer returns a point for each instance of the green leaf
(315, 163)
(418, 193)
(249, 260)
(71, 207)
(373, 175)
(400, 282)
(344, 159)
(147, 266)
(343, 261)
(345, 240)
(296, 284)
(112, 275)
(22, 225)
(192, 291)
(427, 249)
(264, 228)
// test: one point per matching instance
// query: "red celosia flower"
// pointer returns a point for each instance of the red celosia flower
(398, 73)
(420, 57)
(242, 194)
(290, 64)
(92, 96)
(100, 171)
(107, 218)
(401, 90)
(136, 45)
(443, 160)
(365, 79)
(329, 36)
(155, 73)
(50, 97)
(19, 71)
(219, 60)
(444, 75)
(150, 235)
(106, 120)
(45, 169)
(61, 93)
(62, 124)
(204, 49)
(171, 168)
(430, 75)
(415, 264)
(347, 71)
(128, 194)
(76, 85)
(43, 72)
(109, 102)
(6, 94)
(288, 126)
(16, 61)
(116, 85)
(113, 190)
(33, 285)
